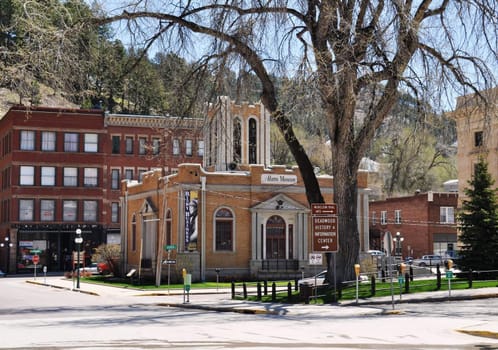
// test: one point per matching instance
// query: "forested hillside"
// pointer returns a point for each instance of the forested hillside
(93, 69)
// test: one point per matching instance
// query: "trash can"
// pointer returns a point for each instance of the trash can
(305, 291)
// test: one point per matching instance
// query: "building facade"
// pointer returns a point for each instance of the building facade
(61, 169)
(235, 214)
(426, 224)
(477, 127)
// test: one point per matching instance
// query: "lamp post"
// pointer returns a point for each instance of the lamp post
(78, 240)
(7, 244)
(398, 239)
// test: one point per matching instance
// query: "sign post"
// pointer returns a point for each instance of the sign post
(325, 227)
(36, 260)
(169, 248)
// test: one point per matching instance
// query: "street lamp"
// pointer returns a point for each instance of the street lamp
(398, 239)
(7, 244)
(78, 240)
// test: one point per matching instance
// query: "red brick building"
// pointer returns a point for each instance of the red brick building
(426, 223)
(61, 169)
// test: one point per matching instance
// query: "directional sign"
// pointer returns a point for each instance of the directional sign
(169, 262)
(325, 233)
(323, 209)
(170, 247)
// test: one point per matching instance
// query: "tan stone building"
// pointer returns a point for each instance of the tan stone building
(237, 214)
(477, 133)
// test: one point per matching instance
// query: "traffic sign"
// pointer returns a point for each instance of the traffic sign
(170, 247)
(36, 259)
(323, 209)
(315, 259)
(169, 262)
(325, 237)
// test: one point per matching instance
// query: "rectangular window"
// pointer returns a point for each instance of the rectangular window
(90, 211)
(374, 218)
(115, 212)
(69, 210)
(47, 176)
(27, 175)
(129, 174)
(70, 177)
(70, 142)
(188, 147)
(90, 177)
(140, 174)
(383, 217)
(155, 146)
(397, 216)
(478, 139)
(115, 179)
(176, 147)
(200, 148)
(27, 140)
(48, 141)
(116, 144)
(47, 210)
(26, 207)
(447, 215)
(129, 145)
(142, 145)
(91, 143)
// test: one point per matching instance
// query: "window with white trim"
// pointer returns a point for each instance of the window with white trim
(397, 216)
(188, 147)
(142, 145)
(128, 174)
(156, 145)
(26, 175)
(47, 177)
(200, 148)
(27, 140)
(176, 147)
(115, 179)
(115, 212)
(374, 218)
(447, 215)
(383, 217)
(129, 145)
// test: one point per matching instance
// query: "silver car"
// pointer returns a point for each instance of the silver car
(318, 279)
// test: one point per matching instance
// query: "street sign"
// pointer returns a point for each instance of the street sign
(36, 259)
(323, 209)
(325, 238)
(316, 259)
(35, 251)
(170, 247)
(169, 262)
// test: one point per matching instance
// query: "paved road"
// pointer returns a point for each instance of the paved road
(37, 316)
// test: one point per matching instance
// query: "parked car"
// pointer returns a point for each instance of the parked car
(376, 253)
(409, 260)
(2, 274)
(429, 260)
(103, 268)
(318, 279)
(92, 268)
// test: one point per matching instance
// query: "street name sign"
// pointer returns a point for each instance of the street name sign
(323, 209)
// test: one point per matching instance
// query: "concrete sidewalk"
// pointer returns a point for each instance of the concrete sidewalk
(220, 299)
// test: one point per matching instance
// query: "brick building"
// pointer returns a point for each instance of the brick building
(237, 213)
(61, 169)
(426, 223)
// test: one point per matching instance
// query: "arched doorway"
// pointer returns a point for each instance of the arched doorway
(275, 238)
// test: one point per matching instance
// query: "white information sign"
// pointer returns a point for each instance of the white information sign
(316, 259)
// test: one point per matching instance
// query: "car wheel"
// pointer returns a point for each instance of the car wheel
(422, 264)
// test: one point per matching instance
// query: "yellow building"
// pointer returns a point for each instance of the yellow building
(477, 134)
(236, 215)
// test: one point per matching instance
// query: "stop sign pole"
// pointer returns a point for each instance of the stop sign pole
(36, 260)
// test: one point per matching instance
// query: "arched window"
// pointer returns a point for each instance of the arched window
(223, 230)
(275, 238)
(237, 141)
(253, 139)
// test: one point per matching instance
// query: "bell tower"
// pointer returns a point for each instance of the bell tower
(236, 136)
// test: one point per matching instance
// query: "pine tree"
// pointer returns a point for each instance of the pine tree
(479, 223)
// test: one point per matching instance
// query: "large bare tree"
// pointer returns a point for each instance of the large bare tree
(372, 48)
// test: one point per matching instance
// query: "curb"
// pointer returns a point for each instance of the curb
(422, 300)
(65, 288)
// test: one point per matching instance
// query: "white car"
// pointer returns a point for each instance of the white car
(92, 268)
(318, 279)
(376, 253)
(429, 260)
